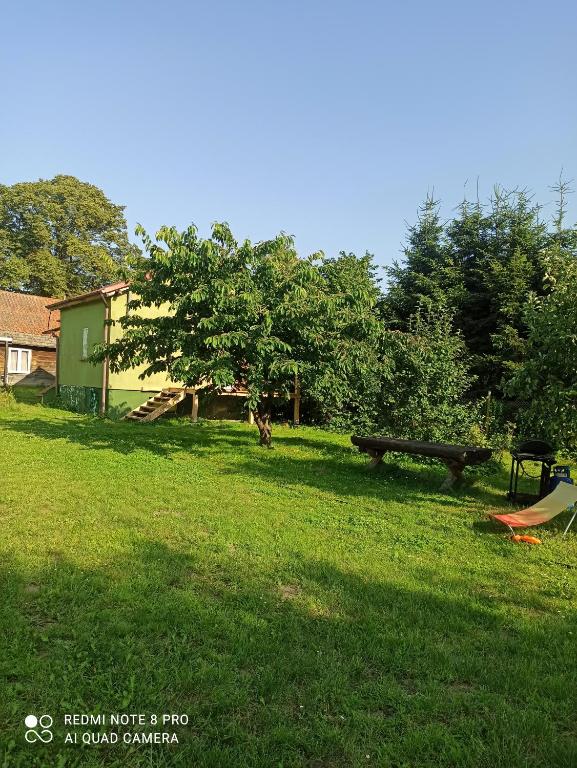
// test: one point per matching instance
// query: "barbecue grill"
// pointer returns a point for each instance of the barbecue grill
(531, 450)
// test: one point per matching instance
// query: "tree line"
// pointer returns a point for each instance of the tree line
(471, 336)
(503, 273)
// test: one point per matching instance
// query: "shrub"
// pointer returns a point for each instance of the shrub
(425, 380)
(546, 383)
(7, 400)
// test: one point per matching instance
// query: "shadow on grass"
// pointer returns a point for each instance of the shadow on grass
(323, 463)
(312, 666)
(162, 439)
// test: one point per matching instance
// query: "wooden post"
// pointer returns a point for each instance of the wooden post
(105, 362)
(454, 475)
(57, 363)
(6, 349)
(194, 412)
(250, 417)
(376, 459)
(297, 403)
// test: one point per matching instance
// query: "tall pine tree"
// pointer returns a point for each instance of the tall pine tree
(428, 273)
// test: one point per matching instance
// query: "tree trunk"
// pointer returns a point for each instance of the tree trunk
(262, 420)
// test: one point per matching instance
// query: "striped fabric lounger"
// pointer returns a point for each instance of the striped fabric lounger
(563, 497)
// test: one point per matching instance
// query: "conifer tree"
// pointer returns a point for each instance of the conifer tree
(428, 273)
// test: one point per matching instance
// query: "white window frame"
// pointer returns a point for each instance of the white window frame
(19, 355)
(84, 343)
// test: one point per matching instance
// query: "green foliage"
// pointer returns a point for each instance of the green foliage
(425, 381)
(505, 267)
(430, 271)
(60, 237)
(7, 400)
(483, 264)
(348, 397)
(545, 382)
(251, 314)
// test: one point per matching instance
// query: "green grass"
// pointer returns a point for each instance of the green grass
(300, 611)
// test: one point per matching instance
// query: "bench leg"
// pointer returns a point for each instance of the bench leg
(376, 458)
(454, 475)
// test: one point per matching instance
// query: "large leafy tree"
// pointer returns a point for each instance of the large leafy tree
(349, 399)
(250, 314)
(60, 237)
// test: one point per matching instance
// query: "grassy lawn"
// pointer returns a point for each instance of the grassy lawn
(300, 611)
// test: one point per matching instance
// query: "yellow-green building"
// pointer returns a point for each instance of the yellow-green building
(94, 388)
(87, 387)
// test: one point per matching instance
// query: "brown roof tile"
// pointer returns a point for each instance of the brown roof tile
(26, 313)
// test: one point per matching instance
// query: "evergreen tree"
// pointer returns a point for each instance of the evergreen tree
(468, 238)
(428, 272)
(483, 265)
(500, 251)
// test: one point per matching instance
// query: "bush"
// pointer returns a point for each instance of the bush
(7, 400)
(424, 382)
(545, 382)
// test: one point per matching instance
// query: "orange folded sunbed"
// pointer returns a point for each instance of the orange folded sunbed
(563, 497)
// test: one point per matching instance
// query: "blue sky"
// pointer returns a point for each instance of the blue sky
(328, 120)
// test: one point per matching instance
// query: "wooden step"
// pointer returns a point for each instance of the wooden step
(158, 405)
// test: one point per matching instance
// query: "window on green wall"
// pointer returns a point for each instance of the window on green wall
(84, 343)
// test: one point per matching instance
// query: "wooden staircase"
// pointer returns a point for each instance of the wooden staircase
(157, 405)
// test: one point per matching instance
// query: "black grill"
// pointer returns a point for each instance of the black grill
(531, 450)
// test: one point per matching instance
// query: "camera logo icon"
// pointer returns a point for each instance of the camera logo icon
(39, 729)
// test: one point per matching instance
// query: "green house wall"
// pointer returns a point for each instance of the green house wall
(130, 379)
(72, 369)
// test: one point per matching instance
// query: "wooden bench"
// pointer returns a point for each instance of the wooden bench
(456, 457)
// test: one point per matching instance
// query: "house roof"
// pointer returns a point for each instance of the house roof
(25, 313)
(43, 340)
(104, 292)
